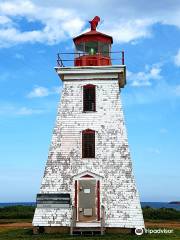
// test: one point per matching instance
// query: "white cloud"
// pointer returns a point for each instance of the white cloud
(58, 23)
(28, 111)
(129, 30)
(40, 91)
(9, 109)
(144, 78)
(161, 91)
(64, 19)
(4, 20)
(177, 59)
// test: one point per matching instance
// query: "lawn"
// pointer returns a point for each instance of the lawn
(22, 215)
(26, 234)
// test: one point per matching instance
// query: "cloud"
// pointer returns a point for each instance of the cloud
(61, 20)
(9, 109)
(28, 111)
(145, 78)
(40, 91)
(130, 30)
(177, 59)
(58, 24)
(161, 91)
(5, 20)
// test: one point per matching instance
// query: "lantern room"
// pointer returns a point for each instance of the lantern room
(93, 48)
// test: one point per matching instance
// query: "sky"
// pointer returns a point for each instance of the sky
(33, 32)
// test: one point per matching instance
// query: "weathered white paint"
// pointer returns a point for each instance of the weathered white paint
(112, 164)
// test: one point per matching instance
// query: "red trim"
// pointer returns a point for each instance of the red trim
(87, 176)
(89, 86)
(98, 200)
(95, 99)
(85, 133)
(88, 131)
(75, 197)
(93, 36)
(90, 60)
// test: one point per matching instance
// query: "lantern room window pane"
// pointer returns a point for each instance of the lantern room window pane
(91, 48)
(104, 49)
(89, 98)
(80, 47)
(88, 144)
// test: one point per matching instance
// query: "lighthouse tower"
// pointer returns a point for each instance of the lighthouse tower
(88, 183)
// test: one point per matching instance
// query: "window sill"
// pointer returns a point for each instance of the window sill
(88, 158)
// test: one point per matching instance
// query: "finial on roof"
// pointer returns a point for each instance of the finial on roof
(94, 23)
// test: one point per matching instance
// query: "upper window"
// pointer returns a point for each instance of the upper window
(88, 143)
(89, 98)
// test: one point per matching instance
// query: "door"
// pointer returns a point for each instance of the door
(87, 201)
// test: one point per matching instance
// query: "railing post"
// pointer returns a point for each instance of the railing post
(122, 57)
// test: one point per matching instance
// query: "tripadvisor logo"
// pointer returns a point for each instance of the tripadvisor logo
(158, 231)
(140, 231)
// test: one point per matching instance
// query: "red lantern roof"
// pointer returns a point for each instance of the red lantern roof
(93, 35)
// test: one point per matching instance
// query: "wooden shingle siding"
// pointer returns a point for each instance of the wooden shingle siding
(118, 193)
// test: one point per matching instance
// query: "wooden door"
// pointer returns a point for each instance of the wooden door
(87, 201)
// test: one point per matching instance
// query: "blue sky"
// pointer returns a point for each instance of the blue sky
(31, 34)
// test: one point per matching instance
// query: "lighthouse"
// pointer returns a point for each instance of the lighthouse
(88, 183)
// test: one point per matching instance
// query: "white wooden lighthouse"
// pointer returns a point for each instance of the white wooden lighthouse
(88, 183)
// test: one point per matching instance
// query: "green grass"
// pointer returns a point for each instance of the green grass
(161, 214)
(26, 234)
(17, 212)
(27, 212)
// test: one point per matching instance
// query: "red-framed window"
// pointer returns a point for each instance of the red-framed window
(89, 98)
(88, 143)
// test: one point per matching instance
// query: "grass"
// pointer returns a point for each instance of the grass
(26, 213)
(161, 214)
(17, 212)
(14, 214)
(26, 234)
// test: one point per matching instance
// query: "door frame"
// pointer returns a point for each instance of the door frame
(88, 176)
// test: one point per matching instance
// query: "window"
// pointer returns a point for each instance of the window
(79, 49)
(104, 49)
(91, 48)
(88, 144)
(89, 98)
